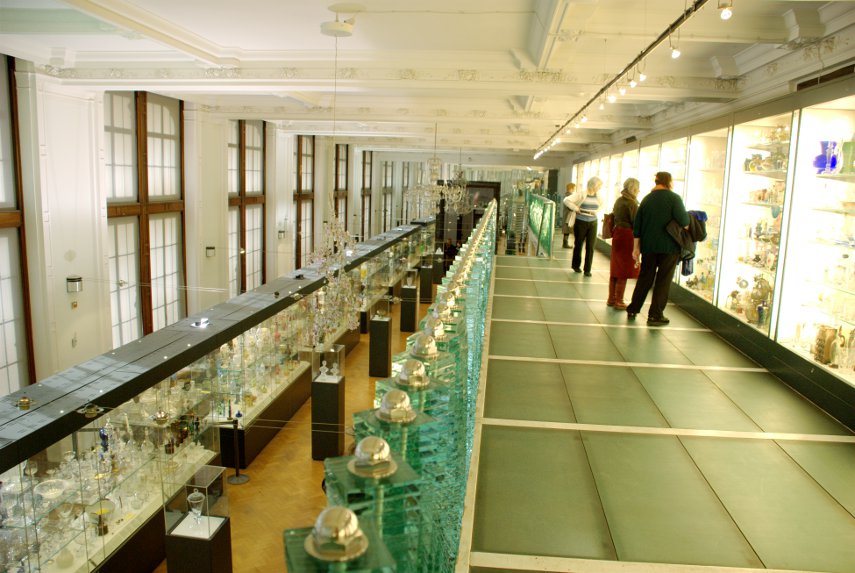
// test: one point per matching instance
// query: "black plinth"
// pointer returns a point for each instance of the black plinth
(380, 348)
(409, 308)
(200, 555)
(438, 270)
(363, 320)
(327, 417)
(426, 284)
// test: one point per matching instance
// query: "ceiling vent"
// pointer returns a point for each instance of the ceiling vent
(843, 72)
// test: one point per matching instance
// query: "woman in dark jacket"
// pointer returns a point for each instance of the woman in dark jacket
(622, 264)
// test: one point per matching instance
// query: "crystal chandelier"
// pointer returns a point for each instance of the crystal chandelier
(337, 303)
(427, 195)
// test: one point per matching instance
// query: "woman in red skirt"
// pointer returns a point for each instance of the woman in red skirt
(623, 266)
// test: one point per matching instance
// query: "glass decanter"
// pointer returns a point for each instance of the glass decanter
(195, 500)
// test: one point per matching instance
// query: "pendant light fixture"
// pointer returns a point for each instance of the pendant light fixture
(725, 8)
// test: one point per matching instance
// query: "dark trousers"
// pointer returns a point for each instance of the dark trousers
(657, 270)
(584, 233)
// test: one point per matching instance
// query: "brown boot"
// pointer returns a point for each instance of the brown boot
(611, 300)
(620, 287)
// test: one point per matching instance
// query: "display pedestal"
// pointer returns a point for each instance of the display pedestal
(438, 270)
(380, 348)
(255, 436)
(409, 308)
(395, 290)
(426, 282)
(327, 416)
(204, 547)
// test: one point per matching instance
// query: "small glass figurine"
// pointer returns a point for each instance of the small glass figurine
(334, 371)
(324, 369)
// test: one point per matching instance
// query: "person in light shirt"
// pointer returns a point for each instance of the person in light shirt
(585, 226)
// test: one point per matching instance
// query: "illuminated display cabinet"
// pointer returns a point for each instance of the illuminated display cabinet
(777, 184)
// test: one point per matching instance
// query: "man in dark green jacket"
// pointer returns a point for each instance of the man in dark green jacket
(655, 249)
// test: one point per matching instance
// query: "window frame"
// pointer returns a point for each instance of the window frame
(244, 199)
(340, 193)
(143, 208)
(367, 167)
(14, 218)
(304, 196)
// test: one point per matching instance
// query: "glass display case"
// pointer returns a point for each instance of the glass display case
(90, 456)
(612, 191)
(253, 369)
(672, 158)
(71, 505)
(756, 201)
(197, 506)
(648, 165)
(704, 191)
(817, 315)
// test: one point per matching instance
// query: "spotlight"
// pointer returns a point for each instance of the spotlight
(642, 76)
(622, 90)
(675, 51)
(633, 83)
(602, 106)
(612, 98)
(584, 118)
(725, 9)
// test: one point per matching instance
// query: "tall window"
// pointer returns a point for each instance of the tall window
(16, 362)
(405, 186)
(365, 224)
(304, 194)
(145, 210)
(246, 206)
(341, 178)
(388, 170)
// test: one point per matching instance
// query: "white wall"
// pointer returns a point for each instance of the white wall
(280, 198)
(65, 218)
(205, 208)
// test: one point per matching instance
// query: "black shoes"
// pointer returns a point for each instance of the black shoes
(587, 274)
(631, 315)
(661, 321)
(575, 270)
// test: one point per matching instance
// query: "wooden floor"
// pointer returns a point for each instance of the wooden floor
(284, 490)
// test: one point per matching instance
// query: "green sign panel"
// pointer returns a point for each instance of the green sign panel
(541, 222)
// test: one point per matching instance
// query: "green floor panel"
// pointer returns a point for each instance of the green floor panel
(658, 505)
(513, 272)
(705, 348)
(688, 399)
(540, 263)
(517, 308)
(596, 290)
(519, 339)
(790, 521)
(831, 465)
(608, 315)
(583, 343)
(645, 345)
(536, 496)
(754, 392)
(567, 311)
(514, 287)
(610, 395)
(557, 289)
(526, 391)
